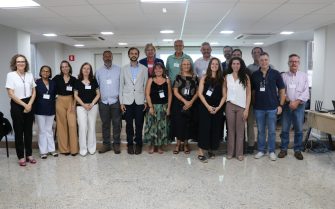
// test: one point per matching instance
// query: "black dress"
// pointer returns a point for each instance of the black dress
(183, 122)
(210, 126)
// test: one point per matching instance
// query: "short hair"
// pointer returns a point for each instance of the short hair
(90, 76)
(60, 67)
(257, 47)
(231, 48)
(293, 55)
(264, 53)
(106, 51)
(205, 44)
(49, 68)
(149, 45)
(13, 62)
(133, 48)
(237, 50)
(178, 40)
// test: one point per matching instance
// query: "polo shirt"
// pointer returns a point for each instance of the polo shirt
(173, 65)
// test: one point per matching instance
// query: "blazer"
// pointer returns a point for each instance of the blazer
(130, 91)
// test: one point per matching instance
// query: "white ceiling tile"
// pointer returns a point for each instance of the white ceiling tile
(75, 11)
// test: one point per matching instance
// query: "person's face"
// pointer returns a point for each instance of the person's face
(133, 55)
(65, 68)
(206, 51)
(236, 54)
(86, 70)
(256, 54)
(185, 66)
(45, 73)
(158, 70)
(178, 47)
(21, 63)
(236, 65)
(264, 61)
(227, 52)
(150, 52)
(108, 58)
(294, 63)
(215, 65)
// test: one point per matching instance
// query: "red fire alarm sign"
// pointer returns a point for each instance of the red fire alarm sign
(71, 57)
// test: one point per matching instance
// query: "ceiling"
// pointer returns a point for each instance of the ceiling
(195, 21)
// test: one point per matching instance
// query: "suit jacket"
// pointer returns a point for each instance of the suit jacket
(130, 91)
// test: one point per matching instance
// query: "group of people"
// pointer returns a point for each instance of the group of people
(178, 101)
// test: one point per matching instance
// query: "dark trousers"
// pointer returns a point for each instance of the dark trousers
(136, 112)
(110, 113)
(23, 128)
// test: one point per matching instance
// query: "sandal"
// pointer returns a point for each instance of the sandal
(211, 155)
(186, 149)
(31, 160)
(240, 158)
(22, 162)
(177, 149)
(160, 150)
(151, 149)
(202, 158)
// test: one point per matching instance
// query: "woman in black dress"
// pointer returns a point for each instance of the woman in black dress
(185, 91)
(212, 96)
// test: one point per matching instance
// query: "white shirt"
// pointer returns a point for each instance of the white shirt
(200, 66)
(22, 85)
(236, 93)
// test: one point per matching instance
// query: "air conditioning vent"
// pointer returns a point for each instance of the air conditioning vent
(84, 38)
(254, 36)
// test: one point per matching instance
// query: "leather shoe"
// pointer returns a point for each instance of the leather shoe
(130, 149)
(117, 149)
(282, 154)
(104, 149)
(298, 155)
(138, 149)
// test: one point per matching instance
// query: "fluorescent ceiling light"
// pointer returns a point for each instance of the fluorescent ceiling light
(17, 3)
(258, 43)
(226, 32)
(286, 32)
(164, 10)
(49, 34)
(214, 43)
(166, 31)
(123, 44)
(167, 40)
(79, 45)
(163, 1)
(107, 33)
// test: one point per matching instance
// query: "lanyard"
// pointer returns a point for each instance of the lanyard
(24, 83)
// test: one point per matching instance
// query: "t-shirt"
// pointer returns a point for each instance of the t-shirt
(62, 88)
(86, 93)
(22, 85)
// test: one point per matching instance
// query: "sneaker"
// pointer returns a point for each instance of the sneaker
(259, 155)
(55, 154)
(282, 153)
(273, 156)
(202, 158)
(117, 149)
(298, 155)
(104, 149)
(44, 156)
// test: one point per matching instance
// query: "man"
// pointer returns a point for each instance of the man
(227, 52)
(265, 83)
(297, 94)
(237, 53)
(173, 61)
(108, 78)
(133, 79)
(255, 53)
(201, 64)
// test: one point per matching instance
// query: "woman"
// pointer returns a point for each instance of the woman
(159, 96)
(65, 111)
(212, 97)
(20, 87)
(87, 95)
(238, 92)
(150, 60)
(185, 90)
(45, 112)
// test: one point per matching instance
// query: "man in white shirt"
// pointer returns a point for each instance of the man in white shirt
(201, 64)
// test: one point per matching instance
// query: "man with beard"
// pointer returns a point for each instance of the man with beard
(133, 79)
(108, 78)
(201, 64)
(227, 52)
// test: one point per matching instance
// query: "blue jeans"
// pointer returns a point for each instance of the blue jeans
(295, 117)
(266, 118)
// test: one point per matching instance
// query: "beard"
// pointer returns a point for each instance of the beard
(133, 58)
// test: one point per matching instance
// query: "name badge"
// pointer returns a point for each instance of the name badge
(209, 92)
(186, 91)
(150, 65)
(262, 89)
(176, 64)
(88, 87)
(109, 81)
(161, 95)
(134, 80)
(292, 86)
(46, 96)
(69, 88)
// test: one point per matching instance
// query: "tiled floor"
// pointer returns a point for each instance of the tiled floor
(168, 181)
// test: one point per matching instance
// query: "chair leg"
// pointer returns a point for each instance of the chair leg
(7, 146)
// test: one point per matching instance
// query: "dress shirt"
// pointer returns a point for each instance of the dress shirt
(296, 85)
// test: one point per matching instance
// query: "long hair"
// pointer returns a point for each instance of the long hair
(242, 73)
(90, 75)
(162, 66)
(13, 62)
(191, 67)
(219, 74)
(60, 67)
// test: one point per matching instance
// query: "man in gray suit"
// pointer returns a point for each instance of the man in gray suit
(133, 79)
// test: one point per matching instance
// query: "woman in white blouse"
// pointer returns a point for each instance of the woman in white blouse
(238, 93)
(20, 86)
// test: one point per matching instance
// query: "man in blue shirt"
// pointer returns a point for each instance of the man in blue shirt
(266, 84)
(108, 78)
(227, 53)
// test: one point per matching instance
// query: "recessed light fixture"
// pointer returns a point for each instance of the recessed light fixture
(164, 10)
(258, 43)
(107, 33)
(167, 40)
(286, 32)
(163, 1)
(166, 31)
(226, 32)
(122, 44)
(18, 3)
(79, 45)
(49, 34)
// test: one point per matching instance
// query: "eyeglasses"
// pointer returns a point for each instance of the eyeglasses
(294, 61)
(20, 62)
